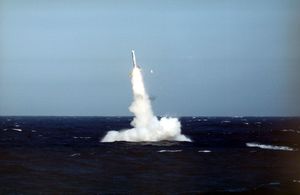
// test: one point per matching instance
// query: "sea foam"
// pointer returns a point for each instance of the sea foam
(269, 147)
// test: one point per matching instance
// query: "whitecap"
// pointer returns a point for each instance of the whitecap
(204, 151)
(75, 154)
(17, 129)
(81, 137)
(226, 121)
(290, 130)
(269, 147)
(169, 151)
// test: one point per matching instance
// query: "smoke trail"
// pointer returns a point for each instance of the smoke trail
(146, 126)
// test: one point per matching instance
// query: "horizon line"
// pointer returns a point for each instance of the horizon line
(209, 116)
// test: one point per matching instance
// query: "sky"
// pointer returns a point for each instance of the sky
(209, 57)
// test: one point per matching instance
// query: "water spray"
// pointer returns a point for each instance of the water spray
(146, 126)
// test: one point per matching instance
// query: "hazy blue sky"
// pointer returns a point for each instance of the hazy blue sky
(209, 57)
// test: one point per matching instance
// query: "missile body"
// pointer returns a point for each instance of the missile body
(134, 60)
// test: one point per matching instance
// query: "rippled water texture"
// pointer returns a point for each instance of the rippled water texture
(64, 155)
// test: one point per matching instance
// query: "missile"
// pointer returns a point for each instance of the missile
(134, 60)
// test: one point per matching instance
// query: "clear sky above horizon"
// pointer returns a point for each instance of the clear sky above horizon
(209, 58)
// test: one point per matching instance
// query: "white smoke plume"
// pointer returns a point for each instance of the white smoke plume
(146, 126)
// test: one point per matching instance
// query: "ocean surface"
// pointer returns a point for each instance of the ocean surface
(64, 155)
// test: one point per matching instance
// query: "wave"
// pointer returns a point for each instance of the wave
(226, 121)
(75, 137)
(169, 151)
(290, 130)
(17, 129)
(75, 154)
(204, 151)
(269, 147)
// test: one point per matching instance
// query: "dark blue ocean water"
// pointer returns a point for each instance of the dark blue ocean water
(64, 155)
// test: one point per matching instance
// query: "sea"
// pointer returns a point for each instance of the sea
(227, 155)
